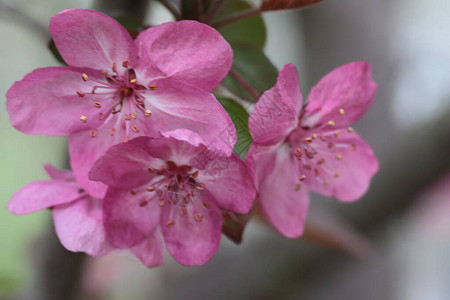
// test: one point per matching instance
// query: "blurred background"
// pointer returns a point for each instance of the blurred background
(404, 216)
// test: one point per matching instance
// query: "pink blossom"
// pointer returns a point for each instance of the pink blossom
(299, 147)
(174, 186)
(78, 217)
(116, 89)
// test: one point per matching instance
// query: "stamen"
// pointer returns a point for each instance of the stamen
(148, 113)
(125, 139)
(112, 131)
(198, 217)
(307, 140)
(170, 223)
(83, 119)
(336, 175)
(151, 170)
(325, 183)
(101, 116)
(127, 117)
(331, 123)
(97, 105)
(151, 188)
(80, 93)
(337, 134)
(135, 128)
(200, 186)
(339, 156)
(152, 87)
(134, 115)
(316, 172)
(125, 63)
(105, 73)
(298, 153)
(143, 203)
(341, 111)
(93, 132)
(298, 187)
(161, 202)
(307, 167)
(350, 129)
(194, 175)
(314, 136)
(183, 211)
(85, 77)
(302, 178)
(132, 192)
(133, 80)
(353, 147)
(206, 204)
(114, 67)
(321, 161)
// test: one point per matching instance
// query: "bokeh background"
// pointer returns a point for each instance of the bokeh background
(405, 215)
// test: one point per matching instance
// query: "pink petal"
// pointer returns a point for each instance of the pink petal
(79, 226)
(57, 174)
(188, 51)
(45, 101)
(345, 173)
(276, 113)
(87, 38)
(176, 105)
(342, 96)
(193, 238)
(125, 165)
(42, 194)
(282, 202)
(228, 181)
(150, 251)
(129, 218)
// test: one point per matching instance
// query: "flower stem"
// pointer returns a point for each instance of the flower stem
(244, 83)
(215, 6)
(236, 17)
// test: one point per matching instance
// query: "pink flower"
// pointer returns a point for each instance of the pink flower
(116, 89)
(177, 185)
(299, 147)
(77, 216)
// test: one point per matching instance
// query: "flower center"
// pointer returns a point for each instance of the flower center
(119, 99)
(317, 150)
(177, 186)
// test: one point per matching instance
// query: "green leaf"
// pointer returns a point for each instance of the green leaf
(254, 67)
(249, 30)
(239, 116)
(234, 224)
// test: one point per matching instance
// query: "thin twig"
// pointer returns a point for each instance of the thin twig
(244, 83)
(215, 6)
(236, 17)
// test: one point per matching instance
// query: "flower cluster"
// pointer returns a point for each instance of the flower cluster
(151, 165)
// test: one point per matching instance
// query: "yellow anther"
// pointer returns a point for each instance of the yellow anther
(341, 111)
(83, 119)
(308, 140)
(148, 113)
(152, 86)
(314, 136)
(339, 156)
(133, 80)
(85, 77)
(350, 129)
(331, 123)
(302, 178)
(134, 115)
(336, 175)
